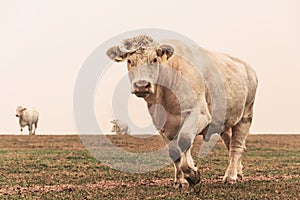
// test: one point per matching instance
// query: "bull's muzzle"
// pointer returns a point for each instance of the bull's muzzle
(17, 115)
(141, 88)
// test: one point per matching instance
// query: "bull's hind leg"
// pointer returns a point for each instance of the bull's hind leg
(226, 136)
(35, 126)
(237, 147)
(30, 129)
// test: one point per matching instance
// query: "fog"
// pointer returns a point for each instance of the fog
(45, 43)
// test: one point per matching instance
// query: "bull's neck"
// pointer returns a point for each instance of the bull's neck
(155, 98)
(164, 97)
(20, 118)
(21, 121)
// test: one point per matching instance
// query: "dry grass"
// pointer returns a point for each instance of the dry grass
(59, 167)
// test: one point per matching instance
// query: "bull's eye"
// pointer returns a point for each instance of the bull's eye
(155, 60)
(129, 61)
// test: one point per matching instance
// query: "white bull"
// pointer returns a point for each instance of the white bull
(194, 102)
(27, 118)
(119, 127)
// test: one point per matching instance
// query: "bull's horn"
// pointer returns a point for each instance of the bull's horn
(118, 58)
(164, 58)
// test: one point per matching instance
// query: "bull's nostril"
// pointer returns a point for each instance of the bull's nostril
(142, 84)
(148, 85)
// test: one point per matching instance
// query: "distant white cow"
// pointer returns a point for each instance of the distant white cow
(121, 128)
(27, 118)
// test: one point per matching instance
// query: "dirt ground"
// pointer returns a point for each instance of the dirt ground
(61, 167)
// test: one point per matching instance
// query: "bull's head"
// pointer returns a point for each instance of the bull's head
(115, 127)
(143, 57)
(19, 111)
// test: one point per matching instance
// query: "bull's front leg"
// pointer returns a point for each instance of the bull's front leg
(186, 173)
(21, 128)
(191, 172)
(176, 156)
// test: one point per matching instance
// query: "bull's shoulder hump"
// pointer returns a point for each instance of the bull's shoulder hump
(233, 65)
(251, 74)
(227, 61)
(34, 112)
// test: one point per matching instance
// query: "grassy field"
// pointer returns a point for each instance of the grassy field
(59, 167)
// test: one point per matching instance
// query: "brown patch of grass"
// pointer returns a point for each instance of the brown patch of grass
(59, 167)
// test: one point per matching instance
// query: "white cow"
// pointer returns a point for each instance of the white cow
(194, 102)
(121, 128)
(27, 118)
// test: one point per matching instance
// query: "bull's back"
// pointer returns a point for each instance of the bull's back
(238, 79)
(31, 116)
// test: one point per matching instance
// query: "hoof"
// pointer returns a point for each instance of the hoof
(239, 177)
(181, 185)
(194, 178)
(229, 180)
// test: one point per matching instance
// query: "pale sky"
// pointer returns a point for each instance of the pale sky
(43, 45)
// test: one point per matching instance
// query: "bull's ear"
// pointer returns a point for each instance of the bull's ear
(116, 54)
(24, 109)
(165, 51)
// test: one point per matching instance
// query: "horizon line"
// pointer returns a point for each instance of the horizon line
(110, 133)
